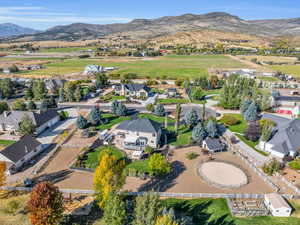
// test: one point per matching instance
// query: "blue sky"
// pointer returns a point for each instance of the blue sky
(42, 14)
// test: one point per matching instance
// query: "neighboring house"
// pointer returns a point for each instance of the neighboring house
(213, 145)
(278, 100)
(132, 90)
(247, 73)
(93, 69)
(277, 205)
(285, 140)
(6, 70)
(10, 120)
(19, 153)
(172, 92)
(138, 133)
(53, 85)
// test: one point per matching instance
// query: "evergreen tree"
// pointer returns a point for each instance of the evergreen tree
(44, 105)
(28, 93)
(26, 125)
(3, 107)
(81, 122)
(78, 94)
(101, 80)
(52, 102)
(191, 118)
(69, 90)
(95, 116)
(199, 133)
(121, 110)
(245, 105)
(159, 110)
(31, 105)
(253, 131)
(61, 94)
(147, 208)
(39, 89)
(177, 117)
(7, 88)
(114, 211)
(212, 129)
(251, 114)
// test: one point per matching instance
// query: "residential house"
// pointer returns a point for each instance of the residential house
(138, 133)
(278, 100)
(93, 69)
(172, 92)
(277, 205)
(53, 85)
(6, 71)
(213, 145)
(19, 153)
(132, 90)
(10, 120)
(285, 140)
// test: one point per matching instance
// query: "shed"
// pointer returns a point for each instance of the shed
(213, 145)
(277, 205)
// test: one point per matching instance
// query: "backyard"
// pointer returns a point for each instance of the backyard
(111, 121)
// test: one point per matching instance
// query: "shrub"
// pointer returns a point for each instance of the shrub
(271, 167)
(229, 120)
(295, 165)
(191, 155)
(13, 206)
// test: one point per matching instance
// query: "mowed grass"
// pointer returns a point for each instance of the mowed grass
(165, 66)
(216, 211)
(276, 59)
(288, 69)
(112, 120)
(6, 143)
(92, 160)
(65, 50)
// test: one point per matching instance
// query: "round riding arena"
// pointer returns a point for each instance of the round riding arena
(222, 174)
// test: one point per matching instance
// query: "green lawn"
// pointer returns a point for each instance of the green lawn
(240, 127)
(155, 118)
(112, 120)
(183, 137)
(141, 166)
(164, 66)
(270, 79)
(216, 212)
(112, 97)
(173, 101)
(6, 143)
(92, 160)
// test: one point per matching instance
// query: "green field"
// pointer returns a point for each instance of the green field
(65, 50)
(6, 143)
(288, 69)
(165, 66)
(140, 165)
(169, 101)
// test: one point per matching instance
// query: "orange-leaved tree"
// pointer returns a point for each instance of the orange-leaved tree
(45, 205)
(2, 173)
(109, 176)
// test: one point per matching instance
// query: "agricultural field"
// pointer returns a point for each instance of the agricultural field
(288, 69)
(275, 59)
(162, 67)
(65, 49)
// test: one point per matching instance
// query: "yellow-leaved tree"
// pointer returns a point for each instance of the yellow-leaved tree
(109, 176)
(165, 220)
(2, 173)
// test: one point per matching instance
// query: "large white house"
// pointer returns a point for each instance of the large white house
(138, 133)
(285, 141)
(132, 90)
(19, 153)
(277, 205)
(93, 69)
(10, 120)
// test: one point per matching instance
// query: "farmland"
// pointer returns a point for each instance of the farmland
(288, 69)
(162, 67)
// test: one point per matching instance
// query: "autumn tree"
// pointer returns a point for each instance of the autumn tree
(165, 220)
(158, 165)
(109, 177)
(114, 210)
(2, 173)
(148, 207)
(45, 205)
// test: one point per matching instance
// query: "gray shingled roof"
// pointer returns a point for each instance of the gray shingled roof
(140, 125)
(18, 150)
(213, 143)
(14, 118)
(136, 87)
(287, 137)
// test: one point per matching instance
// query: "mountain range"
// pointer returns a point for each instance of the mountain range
(10, 29)
(169, 25)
